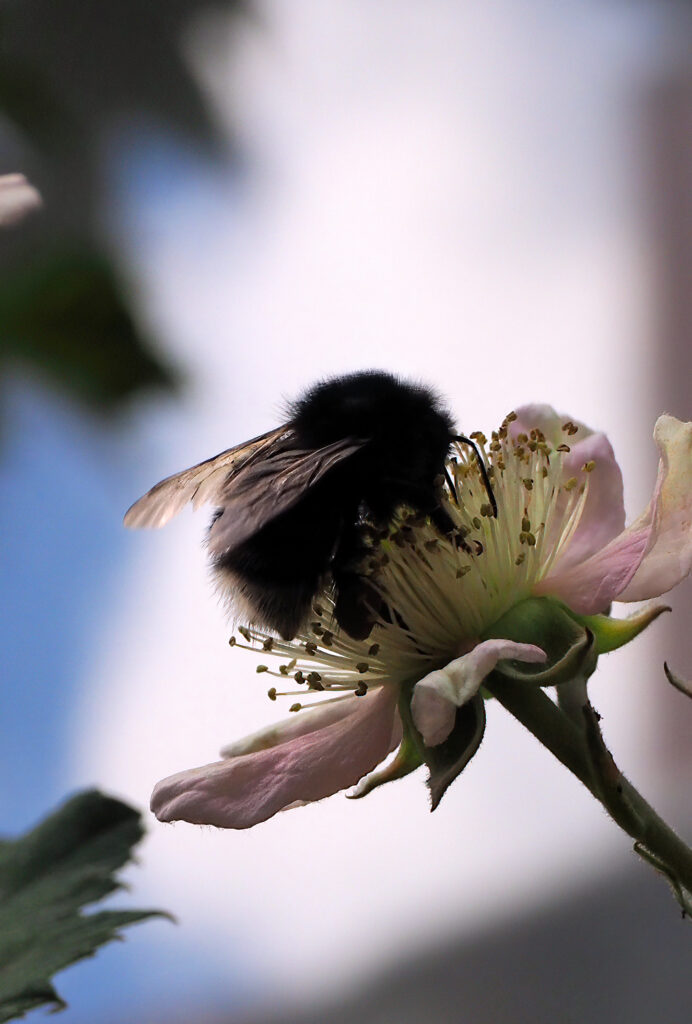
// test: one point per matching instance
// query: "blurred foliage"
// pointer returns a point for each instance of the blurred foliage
(65, 317)
(46, 877)
(72, 73)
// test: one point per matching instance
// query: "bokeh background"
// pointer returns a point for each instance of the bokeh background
(493, 198)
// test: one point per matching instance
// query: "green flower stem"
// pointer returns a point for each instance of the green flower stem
(584, 753)
(551, 726)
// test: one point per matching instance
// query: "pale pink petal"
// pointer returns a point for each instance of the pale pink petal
(590, 587)
(308, 720)
(650, 556)
(549, 422)
(243, 791)
(603, 517)
(437, 696)
(668, 556)
(17, 199)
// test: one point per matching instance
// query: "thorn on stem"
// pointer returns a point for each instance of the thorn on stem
(682, 685)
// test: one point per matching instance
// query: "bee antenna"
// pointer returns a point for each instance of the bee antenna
(481, 465)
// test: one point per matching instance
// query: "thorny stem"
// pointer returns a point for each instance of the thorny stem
(584, 752)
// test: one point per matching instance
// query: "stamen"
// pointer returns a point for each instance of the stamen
(437, 592)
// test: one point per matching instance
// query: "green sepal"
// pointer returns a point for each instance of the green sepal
(407, 759)
(609, 634)
(448, 759)
(578, 661)
(545, 623)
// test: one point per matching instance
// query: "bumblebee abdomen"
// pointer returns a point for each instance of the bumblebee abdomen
(271, 579)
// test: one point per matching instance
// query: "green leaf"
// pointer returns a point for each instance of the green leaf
(46, 877)
(67, 316)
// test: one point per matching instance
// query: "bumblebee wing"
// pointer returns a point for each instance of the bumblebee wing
(269, 487)
(202, 483)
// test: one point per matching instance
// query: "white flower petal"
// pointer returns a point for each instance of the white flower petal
(242, 791)
(652, 555)
(437, 696)
(17, 199)
(668, 558)
(308, 720)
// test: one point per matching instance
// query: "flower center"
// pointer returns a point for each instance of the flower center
(440, 592)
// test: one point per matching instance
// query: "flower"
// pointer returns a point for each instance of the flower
(525, 594)
(17, 199)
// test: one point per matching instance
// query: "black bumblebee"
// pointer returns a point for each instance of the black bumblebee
(295, 505)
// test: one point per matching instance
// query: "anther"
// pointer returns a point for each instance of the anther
(310, 647)
(271, 693)
(525, 524)
(245, 632)
(520, 558)
(361, 689)
(462, 570)
(262, 668)
(570, 428)
(571, 483)
(374, 650)
(362, 667)
(588, 466)
(563, 448)
(232, 642)
(528, 483)
(268, 644)
(295, 707)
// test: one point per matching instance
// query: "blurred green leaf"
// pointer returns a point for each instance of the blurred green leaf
(46, 877)
(80, 83)
(68, 317)
(27, 100)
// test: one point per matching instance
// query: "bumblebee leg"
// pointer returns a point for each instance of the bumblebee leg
(355, 597)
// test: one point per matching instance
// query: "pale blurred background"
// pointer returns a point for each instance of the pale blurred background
(493, 198)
